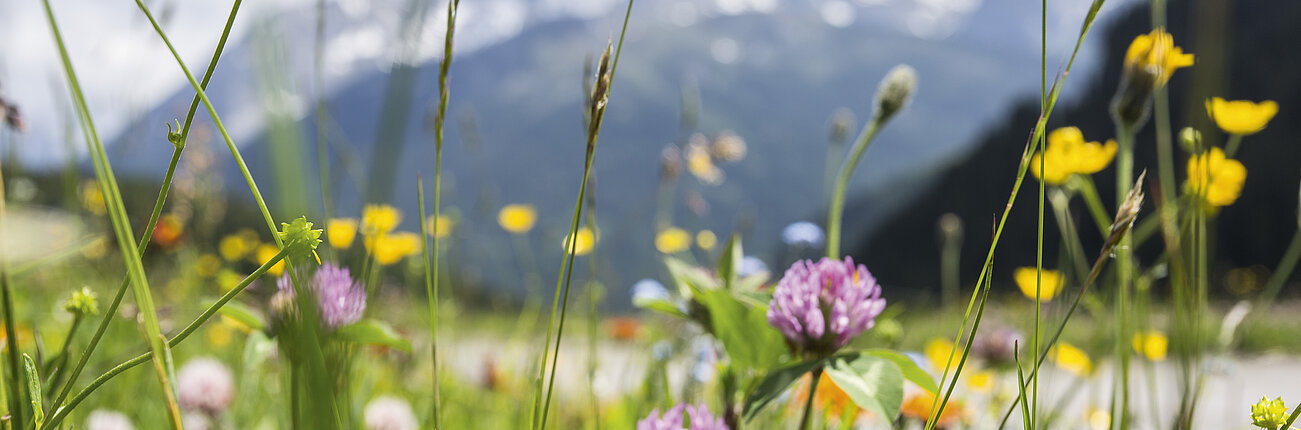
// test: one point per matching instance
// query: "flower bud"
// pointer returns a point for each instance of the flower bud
(1133, 100)
(299, 237)
(894, 92)
(1190, 139)
(81, 302)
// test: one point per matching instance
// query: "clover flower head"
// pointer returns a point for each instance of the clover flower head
(389, 413)
(205, 385)
(819, 307)
(340, 299)
(672, 419)
(104, 419)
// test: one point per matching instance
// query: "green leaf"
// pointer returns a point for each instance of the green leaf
(372, 332)
(910, 370)
(730, 262)
(244, 314)
(752, 282)
(774, 384)
(690, 280)
(751, 343)
(666, 307)
(34, 389)
(874, 383)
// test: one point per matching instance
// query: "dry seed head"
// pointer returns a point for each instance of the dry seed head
(1127, 213)
(895, 91)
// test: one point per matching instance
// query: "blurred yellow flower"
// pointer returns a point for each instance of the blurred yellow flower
(442, 228)
(1241, 116)
(341, 232)
(96, 249)
(517, 218)
(392, 248)
(1098, 419)
(586, 241)
(218, 335)
(1068, 154)
(1156, 52)
(1151, 344)
(938, 350)
(1052, 283)
(379, 219)
(207, 265)
(227, 279)
(235, 247)
(265, 253)
(672, 240)
(706, 240)
(168, 231)
(1216, 178)
(981, 382)
(1071, 359)
(700, 163)
(91, 198)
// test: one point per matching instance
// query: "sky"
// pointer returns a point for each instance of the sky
(125, 70)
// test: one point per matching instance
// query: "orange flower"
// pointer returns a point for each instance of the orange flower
(829, 397)
(623, 328)
(918, 406)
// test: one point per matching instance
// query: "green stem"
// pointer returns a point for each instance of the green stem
(439, 119)
(1280, 275)
(55, 368)
(836, 213)
(15, 404)
(153, 217)
(322, 149)
(1089, 192)
(1231, 145)
(1124, 274)
(807, 418)
(60, 413)
(122, 229)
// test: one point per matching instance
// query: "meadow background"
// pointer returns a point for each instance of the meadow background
(730, 117)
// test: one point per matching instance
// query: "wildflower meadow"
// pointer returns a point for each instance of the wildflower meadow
(313, 281)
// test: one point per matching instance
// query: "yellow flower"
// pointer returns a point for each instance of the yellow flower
(937, 352)
(1052, 283)
(918, 407)
(379, 219)
(1098, 419)
(700, 163)
(235, 247)
(227, 279)
(207, 265)
(1151, 344)
(341, 232)
(264, 254)
(91, 197)
(586, 241)
(1068, 154)
(1071, 359)
(706, 240)
(1241, 116)
(517, 218)
(442, 227)
(1156, 52)
(392, 248)
(672, 240)
(1216, 178)
(981, 382)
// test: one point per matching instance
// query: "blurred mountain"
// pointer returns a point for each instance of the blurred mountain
(772, 75)
(1244, 51)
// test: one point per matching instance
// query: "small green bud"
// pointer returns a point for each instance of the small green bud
(894, 92)
(175, 136)
(81, 302)
(299, 238)
(1190, 139)
(1269, 414)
